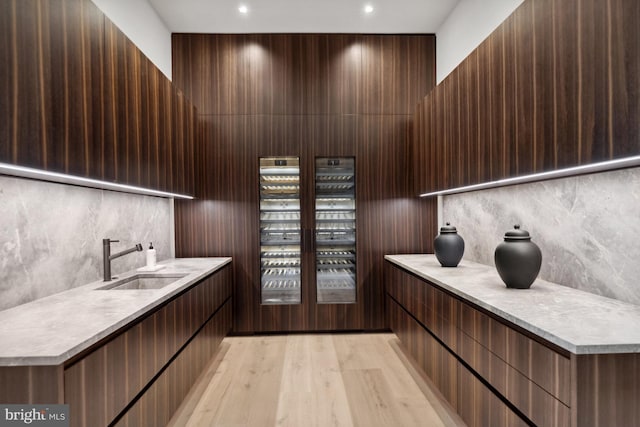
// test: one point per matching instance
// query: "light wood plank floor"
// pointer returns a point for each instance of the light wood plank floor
(312, 380)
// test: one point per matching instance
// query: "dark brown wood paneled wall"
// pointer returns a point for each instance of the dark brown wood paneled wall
(557, 84)
(304, 95)
(77, 96)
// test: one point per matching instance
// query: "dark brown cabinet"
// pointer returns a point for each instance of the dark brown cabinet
(156, 360)
(546, 90)
(490, 373)
(78, 97)
(139, 374)
(494, 373)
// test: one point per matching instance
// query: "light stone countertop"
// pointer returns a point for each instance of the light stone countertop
(51, 330)
(580, 322)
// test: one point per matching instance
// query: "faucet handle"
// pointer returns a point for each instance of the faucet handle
(113, 241)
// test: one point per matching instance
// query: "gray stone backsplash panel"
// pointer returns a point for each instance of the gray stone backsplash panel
(51, 235)
(587, 227)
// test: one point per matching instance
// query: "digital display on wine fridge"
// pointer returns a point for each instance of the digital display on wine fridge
(335, 218)
(280, 235)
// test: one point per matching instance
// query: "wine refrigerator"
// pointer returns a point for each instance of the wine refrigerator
(281, 233)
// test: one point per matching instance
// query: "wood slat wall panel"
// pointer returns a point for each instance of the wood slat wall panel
(79, 97)
(553, 86)
(304, 95)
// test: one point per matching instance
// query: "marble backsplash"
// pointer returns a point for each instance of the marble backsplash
(51, 235)
(587, 228)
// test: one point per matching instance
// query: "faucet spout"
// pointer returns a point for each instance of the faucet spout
(136, 248)
(107, 257)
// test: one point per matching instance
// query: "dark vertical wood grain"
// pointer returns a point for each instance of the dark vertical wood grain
(100, 385)
(79, 97)
(439, 365)
(558, 85)
(520, 48)
(304, 95)
(531, 399)
(387, 61)
(605, 390)
(436, 326)
(164, 396)
(478, 406)
(389, 219)
(31, 384)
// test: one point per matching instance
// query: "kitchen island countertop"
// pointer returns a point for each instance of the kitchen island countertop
(577, 321)
(52, 330)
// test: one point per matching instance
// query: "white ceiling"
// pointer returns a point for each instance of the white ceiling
(303, 16)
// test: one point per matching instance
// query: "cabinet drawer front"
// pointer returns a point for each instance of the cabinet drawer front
(532, 400)
(439, 365)
(545, 367)
(479, 407)
(435, 309)
(476, 404)
(164, 396)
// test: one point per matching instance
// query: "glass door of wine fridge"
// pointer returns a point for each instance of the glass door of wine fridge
(335, 230)
(280, 235)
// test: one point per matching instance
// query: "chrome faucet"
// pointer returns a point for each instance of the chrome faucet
(107, 257)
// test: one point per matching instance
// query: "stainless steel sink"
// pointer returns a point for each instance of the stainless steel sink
(143, 281)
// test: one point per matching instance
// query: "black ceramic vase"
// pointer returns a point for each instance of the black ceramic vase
(449, 246)
(518, 259)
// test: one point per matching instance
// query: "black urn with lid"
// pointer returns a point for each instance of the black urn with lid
(518, 259)
(449, 246)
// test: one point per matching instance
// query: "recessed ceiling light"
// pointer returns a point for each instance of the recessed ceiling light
(243, 9)
(368, 8)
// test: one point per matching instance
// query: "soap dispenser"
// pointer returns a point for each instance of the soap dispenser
(151, 256)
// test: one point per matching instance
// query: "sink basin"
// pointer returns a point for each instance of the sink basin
(143, 281)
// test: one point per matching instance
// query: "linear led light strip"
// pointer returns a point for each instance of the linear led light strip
(62, 178)
(576, 170)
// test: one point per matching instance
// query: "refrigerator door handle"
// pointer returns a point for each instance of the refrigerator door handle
(307, 240)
